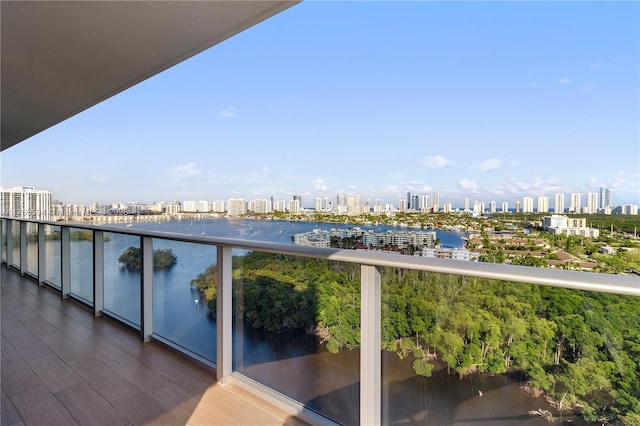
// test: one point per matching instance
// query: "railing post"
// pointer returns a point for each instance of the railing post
(146, 288)
(42, 255)
(24, 262)
(9, 242)
(370, 362)
(98, 272)
(65, 259)
(224, 324)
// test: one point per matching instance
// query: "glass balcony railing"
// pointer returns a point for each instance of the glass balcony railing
(81, 265)
(52, 256)
(349, 337)
(184, 296)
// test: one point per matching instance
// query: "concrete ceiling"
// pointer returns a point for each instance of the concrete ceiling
(59, 58)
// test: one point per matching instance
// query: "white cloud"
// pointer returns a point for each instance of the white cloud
(597, 65)
(188, 169)
(514, 164)
(470, 186)
(563, 80)
(319, 185)
(229, 112)
(533, 84)
(589, 87)
(99, 179)
(437, 161)
(487, 165)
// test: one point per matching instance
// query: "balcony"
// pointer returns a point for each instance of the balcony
(87, 340)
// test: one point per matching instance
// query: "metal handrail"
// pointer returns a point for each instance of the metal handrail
(577, 280)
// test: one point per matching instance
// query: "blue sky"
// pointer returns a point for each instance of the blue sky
(491, 101)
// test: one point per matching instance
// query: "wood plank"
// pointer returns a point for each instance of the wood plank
(88, 407)
(17, 377)
(9, 413)
(54, 372)
(38, 406)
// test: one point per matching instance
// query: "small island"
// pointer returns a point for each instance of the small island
(130, 258)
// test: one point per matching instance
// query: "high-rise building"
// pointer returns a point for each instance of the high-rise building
(424, 205)
(527, 205)
(575, 203)
(505, 207)
(558, 205)
(236, 207)
(26, 202)
(605, 197)
(543, 204)
(492, 206)
(517, 206)
(408, 200)
(435, 201)
(466, 204)
(415, 203)
(592, 202)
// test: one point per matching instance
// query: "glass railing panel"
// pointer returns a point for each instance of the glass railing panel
(464, 350)
(3, 243)
(53, 273)
(297, 329)
(15, 236)
(122, 276)
(81, 258)
(32, 248)
(184, 295)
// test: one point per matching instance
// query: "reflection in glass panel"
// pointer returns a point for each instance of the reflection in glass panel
(15, 235)
(4, 240)
(184, 309)
(485, 352)
(297, 329)
(122, 276)
(53, 274)
(32, 248)
(82, 264)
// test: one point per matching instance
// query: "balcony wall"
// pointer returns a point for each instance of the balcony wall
(305, 326)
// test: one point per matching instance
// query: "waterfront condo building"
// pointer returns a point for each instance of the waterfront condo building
(25, 202)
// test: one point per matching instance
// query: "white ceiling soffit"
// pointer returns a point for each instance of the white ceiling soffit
(62, 57)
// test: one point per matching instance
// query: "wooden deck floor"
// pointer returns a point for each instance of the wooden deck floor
(62, 366)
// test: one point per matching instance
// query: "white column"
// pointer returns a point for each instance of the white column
(98, 272)
(146, 288)
(370, 363)
(224, 324)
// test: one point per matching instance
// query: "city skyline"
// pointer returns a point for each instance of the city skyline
(466, 99)
(15, 201)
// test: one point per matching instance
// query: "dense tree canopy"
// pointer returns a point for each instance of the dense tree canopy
(580, 348)
(130, 258)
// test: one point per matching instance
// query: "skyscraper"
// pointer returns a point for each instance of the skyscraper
(543, 204)
(558, 205)
(592, 202)
(575, 203)
(527, 205)
(605, 197)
